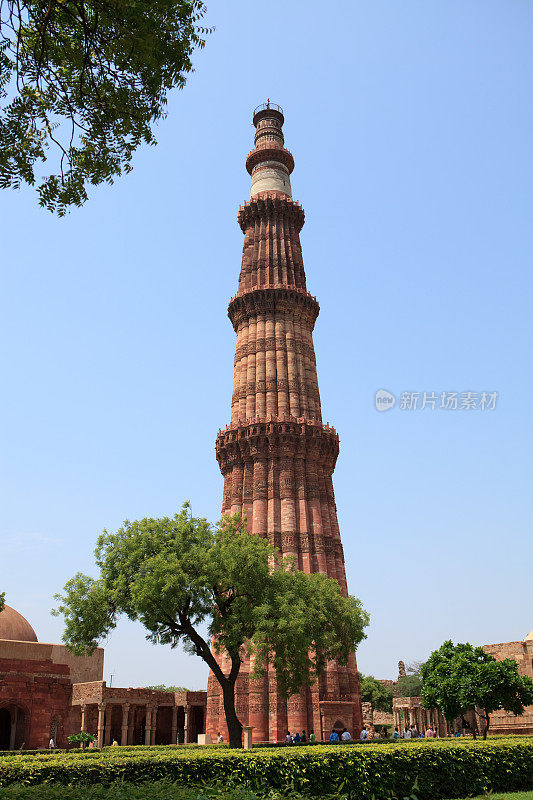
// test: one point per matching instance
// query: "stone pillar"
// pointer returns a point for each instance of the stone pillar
(368, 719)
(247, 730)
(186, 725)
(148, 725)
(108, 718)
(174, 734)
(154, 725)
(83, 709)
(100, 729)
(12, 738)
(125, 726)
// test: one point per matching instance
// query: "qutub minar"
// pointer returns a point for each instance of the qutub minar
(276, 455)
(277, 459)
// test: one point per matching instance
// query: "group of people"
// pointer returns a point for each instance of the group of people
(409, 733)
(413, 733)
(344, 736)
(299, 738)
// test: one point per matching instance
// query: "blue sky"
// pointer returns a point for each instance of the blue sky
(411, 126)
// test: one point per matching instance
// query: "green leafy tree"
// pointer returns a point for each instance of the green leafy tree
(86, 80)
(374, 692)
(408, 686)
(82, 738)
(175, 574)
(2, 600)
(461, 679)
(160, 687)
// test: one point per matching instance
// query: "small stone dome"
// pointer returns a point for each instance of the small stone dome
(529, 637)
(15, 627)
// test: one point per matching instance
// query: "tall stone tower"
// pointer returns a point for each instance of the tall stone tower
(276, 455)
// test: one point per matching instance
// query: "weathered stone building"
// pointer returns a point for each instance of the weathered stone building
(276, 455)
(46, 692)
(522, 652)
(409, 710)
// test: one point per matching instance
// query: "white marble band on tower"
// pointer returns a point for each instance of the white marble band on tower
(269, 164)
(270, 175)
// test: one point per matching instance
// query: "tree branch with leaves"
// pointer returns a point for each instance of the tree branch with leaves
(84, 82)
(177, 573)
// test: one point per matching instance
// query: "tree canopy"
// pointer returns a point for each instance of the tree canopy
(374, 692)
(2, 600)
(458, 679)
(407, 686)
(82, 738)
(161, 687)
(176, 573)
(84, 81)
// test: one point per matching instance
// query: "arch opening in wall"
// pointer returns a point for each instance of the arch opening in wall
(5, 728)
(12, 727)
(55, 730)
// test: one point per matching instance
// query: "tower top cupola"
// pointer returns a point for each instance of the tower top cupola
(269, 163)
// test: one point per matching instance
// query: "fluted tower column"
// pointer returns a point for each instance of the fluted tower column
(276, 455)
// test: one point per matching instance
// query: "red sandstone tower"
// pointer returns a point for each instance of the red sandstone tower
(277, 457)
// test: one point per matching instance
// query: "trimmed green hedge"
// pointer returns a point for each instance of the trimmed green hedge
(160, 790)
(443, 769)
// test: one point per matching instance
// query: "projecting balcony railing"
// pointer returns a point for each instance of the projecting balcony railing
(267, 106)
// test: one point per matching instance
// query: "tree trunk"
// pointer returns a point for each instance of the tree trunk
(486, 728)
(232, 720)
(227, 683)
(466, 724)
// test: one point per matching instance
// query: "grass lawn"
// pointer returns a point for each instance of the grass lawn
(166, 790)
(505, 796)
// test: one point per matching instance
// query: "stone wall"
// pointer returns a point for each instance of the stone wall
(81, 668)
(35, 703)
(522, 652)
(368, 719)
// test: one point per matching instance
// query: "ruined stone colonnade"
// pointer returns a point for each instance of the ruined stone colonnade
(138, 716)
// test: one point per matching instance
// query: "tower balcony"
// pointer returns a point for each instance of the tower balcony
(271, 299)
(277, 437)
